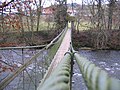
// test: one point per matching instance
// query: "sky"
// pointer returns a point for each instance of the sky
(47, 3)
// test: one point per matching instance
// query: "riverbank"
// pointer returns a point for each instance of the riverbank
(96, 40)
(27, 39)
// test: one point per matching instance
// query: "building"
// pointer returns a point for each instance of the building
(48, 10)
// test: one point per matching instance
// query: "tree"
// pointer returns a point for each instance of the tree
(111, 6)
(61, 14)
(39, 8)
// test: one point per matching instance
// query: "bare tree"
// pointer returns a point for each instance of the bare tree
(110, 13)
(39, 8)
(61, 14)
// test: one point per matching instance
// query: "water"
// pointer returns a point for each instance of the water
(108, 60)
(27, 79)
(13, 59)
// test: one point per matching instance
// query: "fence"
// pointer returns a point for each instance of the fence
(26, 76)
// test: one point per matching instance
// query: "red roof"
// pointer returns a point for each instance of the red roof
(48, 10)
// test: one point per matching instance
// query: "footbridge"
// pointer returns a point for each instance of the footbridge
(51, 68)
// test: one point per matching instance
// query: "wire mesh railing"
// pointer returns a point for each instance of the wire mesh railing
(26, 73)
(28, 70)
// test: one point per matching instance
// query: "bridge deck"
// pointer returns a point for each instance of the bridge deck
(64, 47)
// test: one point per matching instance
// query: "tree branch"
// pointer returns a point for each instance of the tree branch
(6, 4)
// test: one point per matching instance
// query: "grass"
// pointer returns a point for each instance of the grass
(82, 25)
(44, 25)
(85, 26)
(15, 26)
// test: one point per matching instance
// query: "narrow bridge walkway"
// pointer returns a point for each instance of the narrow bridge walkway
(59, 73)
(64, 47)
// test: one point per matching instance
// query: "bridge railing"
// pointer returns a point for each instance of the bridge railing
(29, 68)
(95, 78)
(60, 78)
(55, 44)
(26, 73)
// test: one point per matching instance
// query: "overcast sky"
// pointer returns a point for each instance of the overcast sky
(49, 2)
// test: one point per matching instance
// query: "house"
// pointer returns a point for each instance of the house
(71, 11)
(48, 10)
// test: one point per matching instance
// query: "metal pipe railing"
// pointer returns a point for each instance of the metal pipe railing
(35, 47)
(60, 77)
(95, 78)
(56, 39)
(55, 45)
(23, 47)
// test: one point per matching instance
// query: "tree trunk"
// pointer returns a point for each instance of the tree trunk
(99, 15)
(78, 23)
(110, 13)
(72, 25)
(32, 23)
(38, 14)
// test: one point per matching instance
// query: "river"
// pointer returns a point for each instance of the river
(109, 60)
(11, 60)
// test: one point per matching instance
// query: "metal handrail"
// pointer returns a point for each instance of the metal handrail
(56, 39)
(60, 77)
(34, 47)
(95, 78)
(23, 47)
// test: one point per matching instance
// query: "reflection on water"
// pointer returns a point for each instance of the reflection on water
(106, 59)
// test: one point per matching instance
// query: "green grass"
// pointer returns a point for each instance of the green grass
(44, 25)
(85, 26)
(82, 26)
